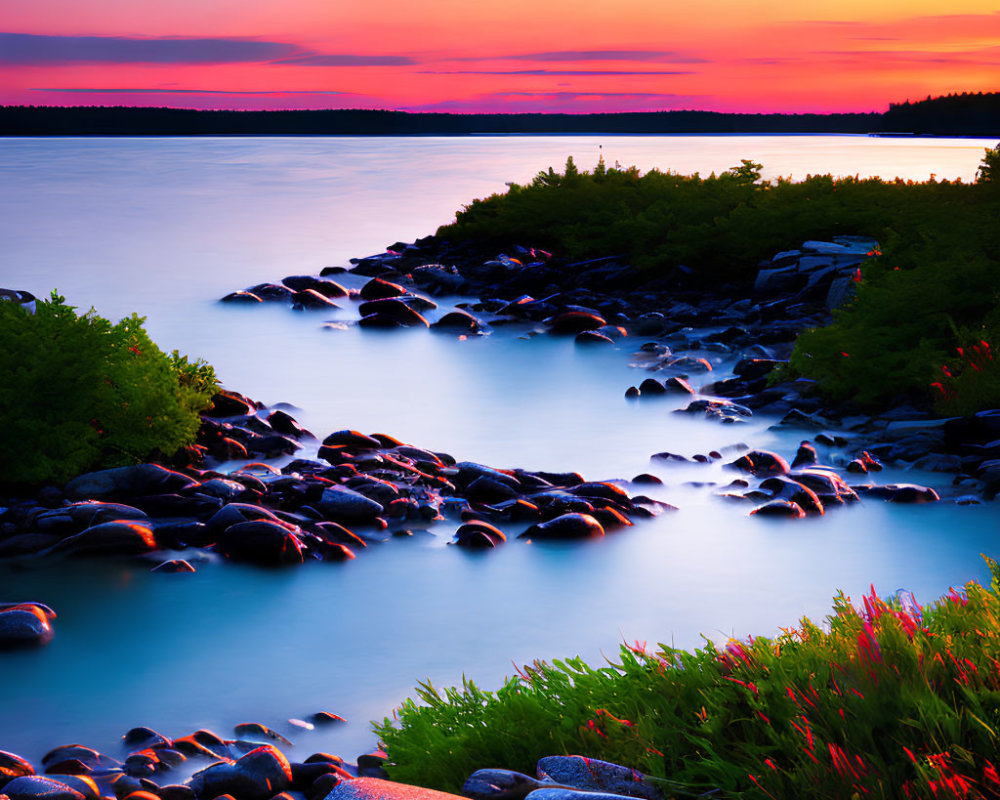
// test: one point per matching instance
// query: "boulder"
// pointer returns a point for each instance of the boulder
(118, 538)
(573, 322)
(341, 503)
(458, 321)
(140, 479)
(379, 789)
(258, 775)
(13, 766)
(310, 299)
(378, 289)
(499, 784)
(260, 542)
(901, 493)
(593, 775)
(565, 526)
(760, 463)
(479, 534)
(37, 787)
(779, 508)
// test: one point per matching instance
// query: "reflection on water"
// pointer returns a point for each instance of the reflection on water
(164, 226)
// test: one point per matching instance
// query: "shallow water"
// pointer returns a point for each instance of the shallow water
(165, 226)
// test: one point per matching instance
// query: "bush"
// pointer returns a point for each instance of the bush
(80, 393)
(889, 700)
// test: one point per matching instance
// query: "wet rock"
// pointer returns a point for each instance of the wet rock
(722, 410)
(458, 321)
(779, 508)
(479, 534)
(499, 784)
(593, 775)
(250, 729)
(366, 788)
(175, 791)
(900, 493)
(37, 787)
(353, 439)
(651, 387)
(393, 310)
(325, 718)
(141, 479)
(379, 289)
(761, 463)
(327, 288)
(25, 625)
(592, 338)
(142, 737)
(784, 488)
(805, 456)
(270, 292)
(234, 513)
(119, 538)
(311, 300)
(828, 486)
(26, 544)
(565, 526)
(13, 766)
(341, 503)
(260, 542)
(174, 566)
(258, 775)
(573, 322)
(243, 298)
(676, 385)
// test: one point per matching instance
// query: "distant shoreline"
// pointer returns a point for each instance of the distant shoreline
(957, 115)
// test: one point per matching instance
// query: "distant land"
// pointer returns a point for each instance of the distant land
(953, 115)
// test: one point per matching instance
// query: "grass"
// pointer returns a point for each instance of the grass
(887, 700)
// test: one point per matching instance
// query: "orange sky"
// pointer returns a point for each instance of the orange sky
(514, 55)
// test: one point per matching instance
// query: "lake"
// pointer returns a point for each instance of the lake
(165, 227)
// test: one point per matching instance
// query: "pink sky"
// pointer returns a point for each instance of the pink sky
(515, 55)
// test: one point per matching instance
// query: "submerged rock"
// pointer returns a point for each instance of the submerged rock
(566, 526)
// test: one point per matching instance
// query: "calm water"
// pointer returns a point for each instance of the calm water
(165, 226)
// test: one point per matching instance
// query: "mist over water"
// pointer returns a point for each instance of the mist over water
(164, 227)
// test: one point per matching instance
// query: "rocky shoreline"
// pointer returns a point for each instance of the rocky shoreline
(363, 489)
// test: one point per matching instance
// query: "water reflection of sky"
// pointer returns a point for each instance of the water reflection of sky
(165, 226)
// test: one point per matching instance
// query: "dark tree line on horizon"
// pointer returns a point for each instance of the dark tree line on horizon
(965, 114)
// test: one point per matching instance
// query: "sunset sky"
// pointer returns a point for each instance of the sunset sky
(493, 55)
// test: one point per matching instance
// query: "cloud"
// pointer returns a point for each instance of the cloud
(27, 49)
(600, 55)
(557, 72)
(260, 93)
(321, 60)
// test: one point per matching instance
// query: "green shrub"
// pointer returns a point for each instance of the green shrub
(888, 700)
(80, 393)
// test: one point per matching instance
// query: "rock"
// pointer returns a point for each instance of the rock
(13, 766)
(651, 387)
(573, 322)
(141, 479)
(478, 534)
(779, 508)
(142, 737)
(26, 544)
(245, 729)
(352, 439)
(118, 538)
(37, 787)
(174, 566)
(393, 309)
(24, 625)
(459, 321)
(900, 493)
(828, 486)
(378, 289)
(258, 775)
(342, 503)
(270, 292)
(378, 789)
(805, 456)
(499, 784)
(784, 488)
(676, 385)
(234, 513)
(592, 337)
(566, 526)
(310, 299)
(260, 542)
(245, 298)
(593, 775)
(760, 463)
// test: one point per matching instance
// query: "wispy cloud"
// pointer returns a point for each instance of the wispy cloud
(346, 60)
(555, 72)
(567, 102)
(119, 90)
(28, 49)
(600, 55)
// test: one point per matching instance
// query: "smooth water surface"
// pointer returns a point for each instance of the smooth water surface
(166, 226)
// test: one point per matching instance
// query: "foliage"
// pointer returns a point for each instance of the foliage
(932, 288)
(989, 169)
(81, 393)
(889, 700)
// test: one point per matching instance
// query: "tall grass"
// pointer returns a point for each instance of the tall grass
(888, 700)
